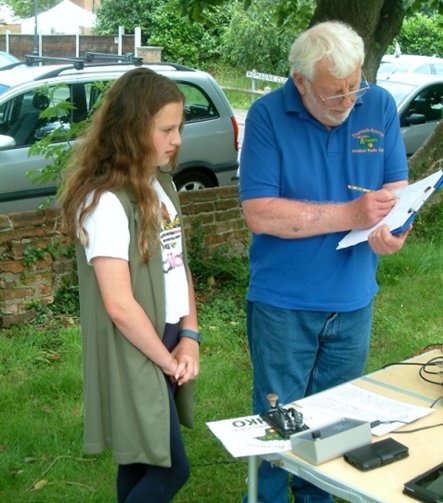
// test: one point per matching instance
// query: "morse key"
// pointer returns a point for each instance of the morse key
(285, 421)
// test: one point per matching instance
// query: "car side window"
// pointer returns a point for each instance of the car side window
(198, 105)
(425, 69)
(21, 117)
(9, 112)
(436, 102)
(429, 103)
(94, 93)
(438, 68)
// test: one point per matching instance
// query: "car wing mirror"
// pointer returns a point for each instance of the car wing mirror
(6, 142)
(414, 119)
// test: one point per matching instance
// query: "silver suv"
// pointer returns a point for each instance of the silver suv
(209, 152)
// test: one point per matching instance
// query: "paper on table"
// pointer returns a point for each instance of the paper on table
(409, 201)
(252, 436)
(248, 436)
(348, 400)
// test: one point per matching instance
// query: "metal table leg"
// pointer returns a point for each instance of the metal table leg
(252, 479)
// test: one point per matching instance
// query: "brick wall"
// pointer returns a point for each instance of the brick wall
(33, 262)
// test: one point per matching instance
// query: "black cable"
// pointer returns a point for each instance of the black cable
(436, 361)
(431, 381)
(435, 401)
(417, 429)
(430, 362)
(376, 423)
(433, 346)
(401, 363)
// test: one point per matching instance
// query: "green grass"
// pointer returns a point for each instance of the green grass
(41, 386)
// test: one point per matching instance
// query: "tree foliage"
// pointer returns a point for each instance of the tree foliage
(129, 14)
(422, 34)
(25, 8)
(414, 6)
(163, 24)
(196, 10)
(254, 38)
(258, 33)
(378, 22)
(192, 44)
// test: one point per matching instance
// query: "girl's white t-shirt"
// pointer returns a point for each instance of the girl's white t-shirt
(108, 236)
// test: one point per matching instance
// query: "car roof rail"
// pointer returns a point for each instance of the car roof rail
(177, 66)
(131, 58)
(77, 63)
(88, 62)
(125, 58)
(11, 66)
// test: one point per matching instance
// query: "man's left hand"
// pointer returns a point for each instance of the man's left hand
(383, 242)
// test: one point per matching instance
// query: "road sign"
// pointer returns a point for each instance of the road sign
(265, 76)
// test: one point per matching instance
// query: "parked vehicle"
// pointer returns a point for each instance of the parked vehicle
(209, 152)
(419, 101)
(7, 59)
(393, 65)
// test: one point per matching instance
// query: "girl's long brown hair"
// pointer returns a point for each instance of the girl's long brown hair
(117, 153)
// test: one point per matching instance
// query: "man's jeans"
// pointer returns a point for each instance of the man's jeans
(295, 354)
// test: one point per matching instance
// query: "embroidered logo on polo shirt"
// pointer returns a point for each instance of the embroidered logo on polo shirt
(366, 141)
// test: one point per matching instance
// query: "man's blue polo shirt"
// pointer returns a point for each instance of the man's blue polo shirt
(287, 153)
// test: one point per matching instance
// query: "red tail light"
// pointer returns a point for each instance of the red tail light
(236, 132)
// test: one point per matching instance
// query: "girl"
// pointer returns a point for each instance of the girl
(137, 307)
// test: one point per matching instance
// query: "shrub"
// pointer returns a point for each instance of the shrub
(421, 34)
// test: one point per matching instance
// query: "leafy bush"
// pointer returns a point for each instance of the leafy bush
(254, 41)
(223, 267)
(127, 13)
(421, 34)
(191, 44)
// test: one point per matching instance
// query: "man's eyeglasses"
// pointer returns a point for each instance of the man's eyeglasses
(338, 98)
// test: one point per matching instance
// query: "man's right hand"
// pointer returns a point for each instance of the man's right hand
(369, 209)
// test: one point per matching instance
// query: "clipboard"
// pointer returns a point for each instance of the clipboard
(410, 200)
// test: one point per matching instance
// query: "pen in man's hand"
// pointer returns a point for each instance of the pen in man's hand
(359, 189)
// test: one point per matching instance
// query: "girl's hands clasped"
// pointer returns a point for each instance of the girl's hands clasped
(187, 355)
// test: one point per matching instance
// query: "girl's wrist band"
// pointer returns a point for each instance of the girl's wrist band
(191, 334)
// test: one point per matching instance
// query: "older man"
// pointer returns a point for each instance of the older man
(309, 311)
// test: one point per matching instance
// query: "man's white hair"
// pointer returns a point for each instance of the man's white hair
(332, 40)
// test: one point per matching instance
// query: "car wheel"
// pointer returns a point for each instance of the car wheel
(193, 180)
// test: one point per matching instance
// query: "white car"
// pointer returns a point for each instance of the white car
(6, 60)
(393, 65)
(208, 155)
(419, 100)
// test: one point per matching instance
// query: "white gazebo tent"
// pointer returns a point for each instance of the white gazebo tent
(64, 18)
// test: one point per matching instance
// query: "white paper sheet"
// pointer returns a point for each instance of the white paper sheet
(411, 197)
(248, 436)
(354, 402)
(251, 435)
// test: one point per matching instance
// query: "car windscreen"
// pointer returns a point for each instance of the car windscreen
(392, 68)
(7, 59)
(399, 90)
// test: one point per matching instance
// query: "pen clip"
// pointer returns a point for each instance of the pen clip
(421, 201)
